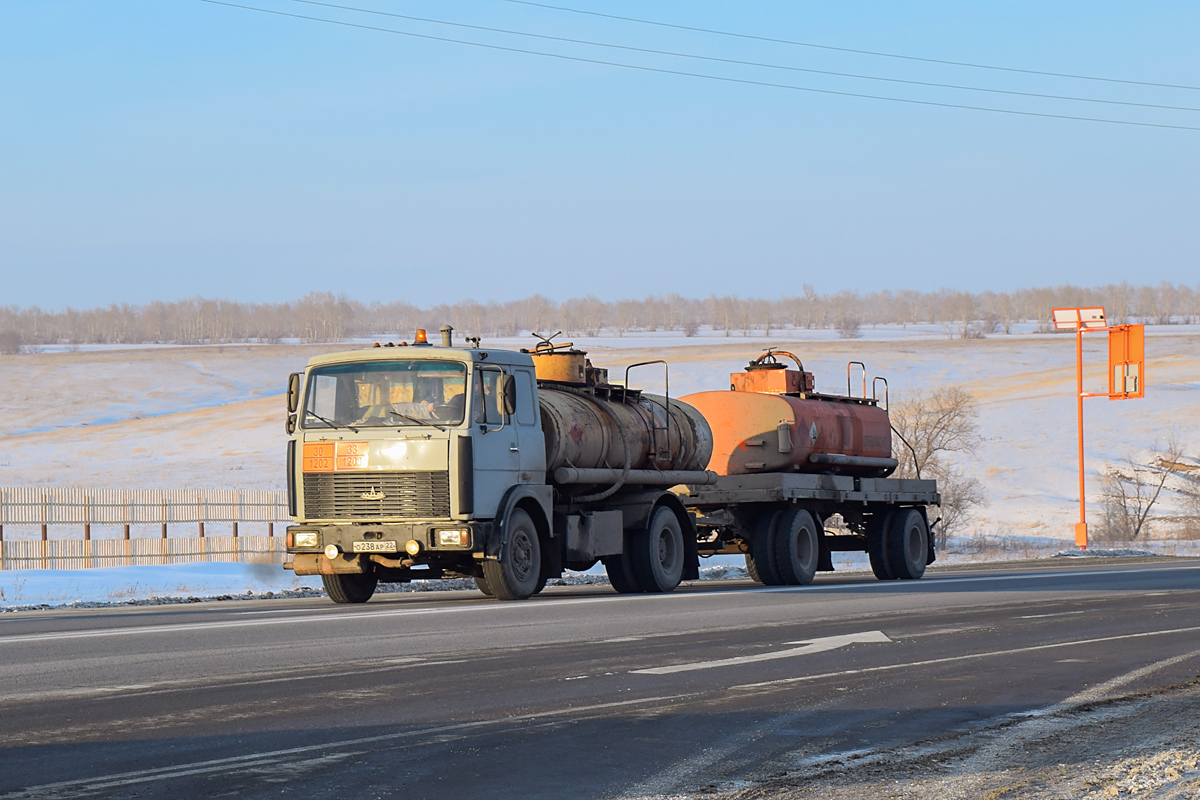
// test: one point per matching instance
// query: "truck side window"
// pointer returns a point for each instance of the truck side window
(526, 414)
(487, 396)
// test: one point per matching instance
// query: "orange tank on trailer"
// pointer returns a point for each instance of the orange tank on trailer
(771, 420)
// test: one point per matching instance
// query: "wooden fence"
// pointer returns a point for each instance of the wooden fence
(87, 553)
(170, 512)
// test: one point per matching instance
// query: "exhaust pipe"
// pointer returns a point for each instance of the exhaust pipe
(446, 336)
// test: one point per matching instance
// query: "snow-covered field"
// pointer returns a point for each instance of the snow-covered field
(212, 416)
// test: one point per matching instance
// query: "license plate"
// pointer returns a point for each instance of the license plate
(374, 547)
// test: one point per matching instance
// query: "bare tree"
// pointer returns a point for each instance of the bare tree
(10, 343)
(1132, 489)
(848, 327)
(933, 427)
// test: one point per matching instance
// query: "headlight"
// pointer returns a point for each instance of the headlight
(307, 539)
(455, 538)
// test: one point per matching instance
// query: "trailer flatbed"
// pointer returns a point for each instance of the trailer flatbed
(781, 487)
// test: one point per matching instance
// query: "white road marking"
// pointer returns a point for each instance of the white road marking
(64, 789)
(315, 672)
(1056, 614)
(549, 603)
(807, 648)
(967, 657)
(670, 782)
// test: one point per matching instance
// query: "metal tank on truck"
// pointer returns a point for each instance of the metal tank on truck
(771, 420)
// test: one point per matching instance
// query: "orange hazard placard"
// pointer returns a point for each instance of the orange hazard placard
(351, 455)
(334, 456)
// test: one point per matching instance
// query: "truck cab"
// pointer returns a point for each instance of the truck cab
(402, 458)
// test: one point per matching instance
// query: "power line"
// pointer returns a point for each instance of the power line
(741, 62)
(721, 78)
(852, 50)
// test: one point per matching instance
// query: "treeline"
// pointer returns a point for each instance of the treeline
(325, 317)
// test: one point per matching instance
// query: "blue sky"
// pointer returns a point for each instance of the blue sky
(159, 149)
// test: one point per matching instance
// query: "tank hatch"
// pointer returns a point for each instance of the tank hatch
(768, 375)
(562, 363)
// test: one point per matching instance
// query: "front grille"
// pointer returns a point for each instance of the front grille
(406, 495)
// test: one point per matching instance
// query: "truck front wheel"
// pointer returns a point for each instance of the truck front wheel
(658, 552)
(352, 588)
(515, 575)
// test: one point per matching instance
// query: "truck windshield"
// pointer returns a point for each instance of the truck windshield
(386, 394)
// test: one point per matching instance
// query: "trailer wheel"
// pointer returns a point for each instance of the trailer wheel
(351, 588)
(658, 552)
(620, 571)
(907, 544)
(797, 547)
(877, 549)
(515, 575)
(760, 561)
(482, 585)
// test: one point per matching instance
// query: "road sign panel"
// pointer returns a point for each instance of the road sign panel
(1071, 318)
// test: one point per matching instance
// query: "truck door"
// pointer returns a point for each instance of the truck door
(530, 441)
(495, 434)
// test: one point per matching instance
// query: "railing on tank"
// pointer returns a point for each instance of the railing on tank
(654, 429)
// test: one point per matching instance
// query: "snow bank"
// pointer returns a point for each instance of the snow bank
(83, 587)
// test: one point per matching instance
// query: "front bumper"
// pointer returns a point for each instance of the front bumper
(353, 545)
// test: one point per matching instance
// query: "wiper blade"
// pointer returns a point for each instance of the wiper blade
(331, 423)
(414, 420)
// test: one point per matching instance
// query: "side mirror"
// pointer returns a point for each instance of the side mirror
(508, 393)
(290, 425)
(293, 392)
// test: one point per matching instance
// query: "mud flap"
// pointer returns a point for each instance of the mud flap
(824, 554)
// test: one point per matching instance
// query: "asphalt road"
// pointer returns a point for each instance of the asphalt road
(577, 693)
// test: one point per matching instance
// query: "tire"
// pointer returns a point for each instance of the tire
(907, 544)
(541, 584)
(797, 547)
(877, 551)
(515, 575)
(351, 588)
(620, 571)
(752, 569)
(482, 585)
(657, 554)
(760, 561)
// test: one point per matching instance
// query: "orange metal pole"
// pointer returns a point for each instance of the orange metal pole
(1081, 526)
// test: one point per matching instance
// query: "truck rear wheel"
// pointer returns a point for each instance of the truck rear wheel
(760, 561)
(907, 544)
(797, 547)
(620, 571)
(877, 549)
(515, 575)
(351, 588)
(658, 552)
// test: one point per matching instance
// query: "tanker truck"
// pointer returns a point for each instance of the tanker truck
(408, 462)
